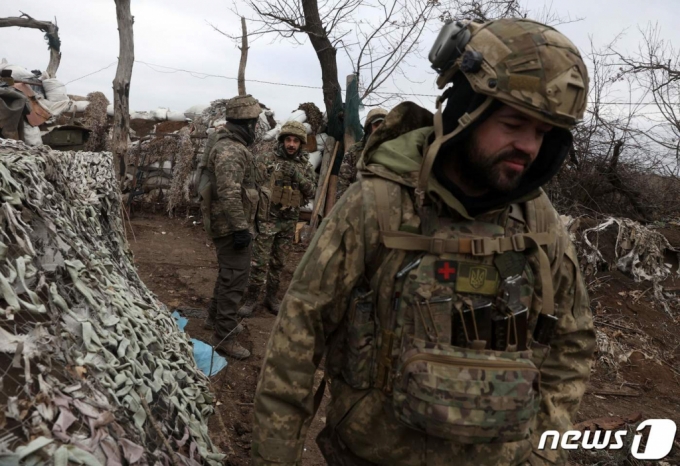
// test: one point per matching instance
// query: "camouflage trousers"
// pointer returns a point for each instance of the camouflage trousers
(232, 279)
(270, 250)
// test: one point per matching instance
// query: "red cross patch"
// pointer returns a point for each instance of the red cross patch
(445, 271)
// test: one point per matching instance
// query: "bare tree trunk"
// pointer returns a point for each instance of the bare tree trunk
(244, 59)
(324, 51)
(51, 31)
(633, 195)
(121, 85)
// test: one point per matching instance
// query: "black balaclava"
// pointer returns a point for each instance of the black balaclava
(462, 99)
(244, 129)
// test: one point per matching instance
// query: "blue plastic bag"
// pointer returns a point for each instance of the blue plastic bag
(203, 353)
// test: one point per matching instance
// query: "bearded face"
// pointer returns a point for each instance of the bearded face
(291, 144)
(498, 153)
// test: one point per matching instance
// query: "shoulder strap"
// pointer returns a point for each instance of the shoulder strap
(382, 202)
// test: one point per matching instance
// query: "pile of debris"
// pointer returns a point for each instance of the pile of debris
(625, 245)
(36, 109)
(94, 368)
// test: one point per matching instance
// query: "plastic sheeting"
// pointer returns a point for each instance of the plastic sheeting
(207, 359)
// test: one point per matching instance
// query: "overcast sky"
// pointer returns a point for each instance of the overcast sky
(175, 33)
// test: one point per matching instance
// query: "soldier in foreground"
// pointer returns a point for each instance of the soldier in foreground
(443, 289)
(288, 182)
(348, 169)
(229, 197)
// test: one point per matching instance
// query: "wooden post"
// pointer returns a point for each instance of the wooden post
(350, 99)
(324, 188)
(244, 59)
(325, 167)
(121, 86)
(332, 194)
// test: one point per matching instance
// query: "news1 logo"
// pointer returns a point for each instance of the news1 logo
(659, 441)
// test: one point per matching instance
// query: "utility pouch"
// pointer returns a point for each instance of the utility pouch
(360, 347)
(251, 198)
(264, 204)
(469, 396)
(510, 331)
(471, 323)
(205, 191)
(295, 198)
(277, 192)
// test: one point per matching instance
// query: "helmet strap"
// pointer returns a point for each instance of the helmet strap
(431, 150)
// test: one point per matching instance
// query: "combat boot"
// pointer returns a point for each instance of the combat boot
(272, 303)
(230, 347)
(250, 302)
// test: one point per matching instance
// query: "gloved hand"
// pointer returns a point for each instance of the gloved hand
(289, 171)
(242, 239)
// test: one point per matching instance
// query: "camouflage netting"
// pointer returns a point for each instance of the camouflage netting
(93, 369)
(314, 116)
(95, 118)
(185, 164)
(162, 161)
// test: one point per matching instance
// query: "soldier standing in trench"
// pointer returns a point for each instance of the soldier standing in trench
(443, 289)
(229, 198)
(288, 182)
(348, 169)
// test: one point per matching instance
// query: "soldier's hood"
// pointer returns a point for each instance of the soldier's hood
(395, 152)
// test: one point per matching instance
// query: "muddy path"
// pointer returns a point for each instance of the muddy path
(177, 262)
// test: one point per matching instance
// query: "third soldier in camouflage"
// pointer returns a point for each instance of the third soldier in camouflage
(348, 168)
(287, 181)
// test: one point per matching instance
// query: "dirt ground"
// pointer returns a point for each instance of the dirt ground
(177, 262)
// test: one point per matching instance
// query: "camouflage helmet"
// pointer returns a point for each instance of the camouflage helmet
(373, 116)
(524, 64)
(243, 107)
(293, 128)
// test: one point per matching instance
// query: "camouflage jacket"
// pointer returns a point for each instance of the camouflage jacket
(348, 169)
(313, 322)
(270, 167)
(230, 166)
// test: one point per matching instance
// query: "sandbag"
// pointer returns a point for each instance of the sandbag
(18, 72)
(263, 122)
(308, 127)
(298, 115)
(109, 110)
(56, 108)
(32, 135)
(315, 158)
(321, 141)
(176, 116)
(273, 133)
(160, 114)
(195, 110)
(55, 91)
(142, 116)
(80, 105)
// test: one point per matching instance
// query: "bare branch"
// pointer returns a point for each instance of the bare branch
(51, 31)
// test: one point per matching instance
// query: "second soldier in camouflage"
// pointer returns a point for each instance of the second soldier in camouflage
(287, 181)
